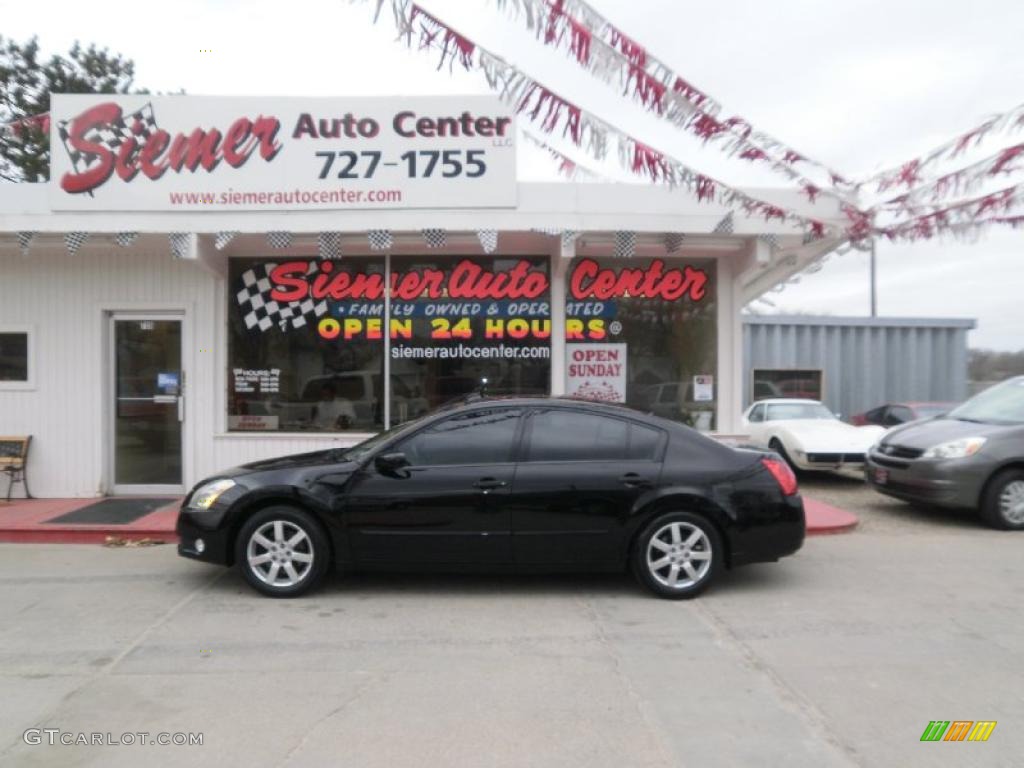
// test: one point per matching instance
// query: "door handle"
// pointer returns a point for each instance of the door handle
(633, 480)
(487, 483)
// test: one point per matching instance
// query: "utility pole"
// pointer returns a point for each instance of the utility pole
(874, 281)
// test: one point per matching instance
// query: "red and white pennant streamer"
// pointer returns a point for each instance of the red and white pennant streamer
(15, 128)
(550, 111)
(607, 53)
(961, 217)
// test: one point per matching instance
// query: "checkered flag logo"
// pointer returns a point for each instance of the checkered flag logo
(330, 245)
(569, 237)
(625, 245)
(125, 239)
(673, 241)
(380, 239)
(24, 240)
(140, 124)
(179, 244)
(220, 242)
(262, 312)
(771, 240)
(279, 240)
(488, 239)
(75, 240)
(434, 238)
(724, 227)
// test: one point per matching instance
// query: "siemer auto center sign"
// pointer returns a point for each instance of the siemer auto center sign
(169, 153)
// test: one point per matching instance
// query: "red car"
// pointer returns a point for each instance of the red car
(894, 414)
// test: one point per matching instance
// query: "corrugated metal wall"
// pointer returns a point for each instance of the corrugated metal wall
(865, 361)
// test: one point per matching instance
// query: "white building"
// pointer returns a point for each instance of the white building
(145, 363)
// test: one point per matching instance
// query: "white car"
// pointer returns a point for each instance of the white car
(808, 435)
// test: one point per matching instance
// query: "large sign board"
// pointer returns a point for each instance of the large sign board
(206, 153)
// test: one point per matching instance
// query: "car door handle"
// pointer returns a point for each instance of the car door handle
(487, 483)
(633, 480)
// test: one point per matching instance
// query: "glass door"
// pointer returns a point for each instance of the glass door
(148, 389)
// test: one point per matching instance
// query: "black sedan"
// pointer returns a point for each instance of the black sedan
(529, 484)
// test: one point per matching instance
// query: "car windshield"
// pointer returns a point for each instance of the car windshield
(1001, 404)
(786, 411)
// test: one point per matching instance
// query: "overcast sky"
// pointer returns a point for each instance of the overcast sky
(859, 85)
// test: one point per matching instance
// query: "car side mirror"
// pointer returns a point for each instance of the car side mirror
(390, 462)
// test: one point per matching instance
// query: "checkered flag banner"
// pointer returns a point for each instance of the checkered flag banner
(74, 241)
(179, 244)
(380, 239)
(24, 240)
(329, 245)
(673, 241)
(771, 240)
(625, 245)
(724, 227)
(262, 312)
(434, 238)
(139, 124)
(568, 237)
(279, 240)
(488, 239)
(221, 240)
(125, 239)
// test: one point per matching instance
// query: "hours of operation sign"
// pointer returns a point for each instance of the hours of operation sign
(170, 153)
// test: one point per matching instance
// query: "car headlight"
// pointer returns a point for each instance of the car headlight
(955, 449)
(206, 495)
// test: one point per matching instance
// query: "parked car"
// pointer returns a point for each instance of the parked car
(525, 484)
(807, 434)
(894, 414)
(972, 458)
(664, 400)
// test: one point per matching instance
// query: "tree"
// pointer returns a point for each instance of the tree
(25, 88)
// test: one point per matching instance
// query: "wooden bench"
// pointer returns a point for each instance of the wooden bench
(13, 457)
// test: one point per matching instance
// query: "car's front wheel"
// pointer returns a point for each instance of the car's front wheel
(678, 555)
(1003, 503)
(282, 551)
(777, 446)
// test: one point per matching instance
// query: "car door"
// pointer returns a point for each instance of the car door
(449, 504)
(578, 476)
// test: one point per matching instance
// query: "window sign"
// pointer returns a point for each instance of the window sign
(650, 326)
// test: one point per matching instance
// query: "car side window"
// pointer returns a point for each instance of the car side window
(478, 437)
(757, 415)
(875, 416)
(564, 435)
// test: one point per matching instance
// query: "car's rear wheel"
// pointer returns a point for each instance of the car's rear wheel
(678, 555)
(1003, 503)
(282, 551)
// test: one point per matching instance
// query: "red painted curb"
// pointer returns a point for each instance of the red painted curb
(823, 519)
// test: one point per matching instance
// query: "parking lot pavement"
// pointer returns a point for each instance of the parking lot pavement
(839, 656)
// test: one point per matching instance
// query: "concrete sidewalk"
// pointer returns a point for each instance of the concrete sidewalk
(26, 520)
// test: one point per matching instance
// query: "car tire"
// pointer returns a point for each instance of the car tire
(282, 551)
(678, 547)
(1002, 505)
(776, 445)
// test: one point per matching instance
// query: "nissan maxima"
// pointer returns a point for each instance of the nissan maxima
(516, 485)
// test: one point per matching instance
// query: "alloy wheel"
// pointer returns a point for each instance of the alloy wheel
(1011, 502)
(280, 553)
(679, 555)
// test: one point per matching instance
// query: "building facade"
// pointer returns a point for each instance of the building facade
(146, 344)
(854, 364)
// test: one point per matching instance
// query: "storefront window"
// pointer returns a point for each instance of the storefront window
(13, 357)
(457, 322)
(305, 345)
(306, 340)
(644, 332)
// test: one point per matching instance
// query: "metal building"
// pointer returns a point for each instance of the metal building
(855, 363)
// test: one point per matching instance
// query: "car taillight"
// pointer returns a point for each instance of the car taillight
(783, 475)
